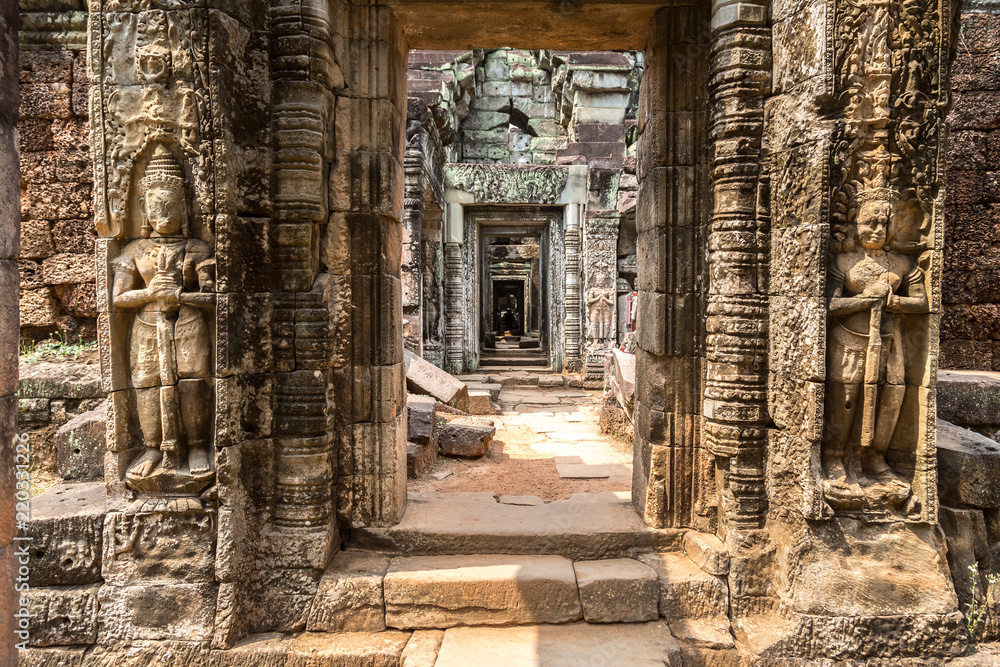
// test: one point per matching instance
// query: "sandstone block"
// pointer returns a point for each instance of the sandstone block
(422, 649)
(157, 611)
(350, 597)
(620, 590)
(421, 419)
(969, 398)
(165, 546)
(64, 616)
(80, 445)
(561, 645)
(423, 377)
(968, 467)
(480, 402)
(465, 437)
(693, 602)
(446, 591)
(66, 531)
(707, 552)
(419, 458)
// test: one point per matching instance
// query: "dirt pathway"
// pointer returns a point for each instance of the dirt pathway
(547, 445)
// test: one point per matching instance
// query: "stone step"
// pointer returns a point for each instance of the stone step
(424, 592)
(511, 364)
(584, 526)
(572, 645)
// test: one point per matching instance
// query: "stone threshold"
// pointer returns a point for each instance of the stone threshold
(584, 526)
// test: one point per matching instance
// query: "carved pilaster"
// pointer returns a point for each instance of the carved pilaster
(453, 289)
(574, 313)
(735, 406)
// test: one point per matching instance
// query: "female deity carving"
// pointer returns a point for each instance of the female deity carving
(870, 285)
(167, 278)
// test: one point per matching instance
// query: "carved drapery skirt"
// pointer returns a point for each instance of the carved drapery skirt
(848, 352)
(191, 348)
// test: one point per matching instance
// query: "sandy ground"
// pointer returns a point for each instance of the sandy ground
(512, 466)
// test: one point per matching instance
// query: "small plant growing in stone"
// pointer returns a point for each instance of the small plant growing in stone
(976, 610)
(55, 346)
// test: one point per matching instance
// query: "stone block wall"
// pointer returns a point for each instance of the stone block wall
(56, 260)
(970, 323)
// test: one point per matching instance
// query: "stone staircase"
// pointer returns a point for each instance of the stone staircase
(485, 582)
(509, 355)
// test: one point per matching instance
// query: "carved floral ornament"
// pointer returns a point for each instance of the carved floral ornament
(508, 184)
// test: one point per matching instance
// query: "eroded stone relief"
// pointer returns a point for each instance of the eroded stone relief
(168, 280)
(881, 250)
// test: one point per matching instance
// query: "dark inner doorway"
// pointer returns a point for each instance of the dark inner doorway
(508, 306)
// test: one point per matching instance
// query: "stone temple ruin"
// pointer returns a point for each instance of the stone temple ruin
(304, 208)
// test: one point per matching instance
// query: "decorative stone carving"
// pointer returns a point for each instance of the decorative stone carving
(501, 184)
(871, 285)
(601, 314)
(881, 247)
(168, 278)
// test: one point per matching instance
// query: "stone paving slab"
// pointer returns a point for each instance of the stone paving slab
(588, 471)
(574, 645)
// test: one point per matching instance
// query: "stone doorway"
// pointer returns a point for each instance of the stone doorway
(271, 142)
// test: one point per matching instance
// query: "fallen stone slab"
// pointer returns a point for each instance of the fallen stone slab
(465, 437)
(447, 591)
(80, 445)
(968, 467)
(592, 471)
(707, 552)
(618, 590)
(349, 597)
(573, 645)
(421, 412)
(524, 501)
(419, 458)
(423, 377)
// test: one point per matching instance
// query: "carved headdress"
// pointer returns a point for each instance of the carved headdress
(162, 173)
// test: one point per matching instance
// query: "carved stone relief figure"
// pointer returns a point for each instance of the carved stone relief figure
(168, 279)
(600, 314)
(870, 284)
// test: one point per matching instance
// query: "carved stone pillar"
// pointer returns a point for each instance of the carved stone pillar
(600, 275)
(572, 327)
(672, 474)
(182, 199)
(413, 222)
(735, 386)
(853, 142)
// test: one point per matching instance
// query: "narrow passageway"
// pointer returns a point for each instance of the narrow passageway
(547, 445)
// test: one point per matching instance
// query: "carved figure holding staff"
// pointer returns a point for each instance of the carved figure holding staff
(870, 284)
(168, 279)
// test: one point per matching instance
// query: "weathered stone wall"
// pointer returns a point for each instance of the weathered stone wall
(970, 321)
(9, 224)
(57, 235)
